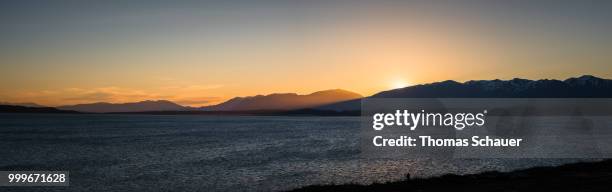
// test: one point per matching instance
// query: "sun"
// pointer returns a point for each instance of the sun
(399, 83)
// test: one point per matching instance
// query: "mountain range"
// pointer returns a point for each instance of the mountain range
(22, 104)
(284, 101)
(102, 107)
(580, 87)
(341, 100)
(276, 102)
(586, 86)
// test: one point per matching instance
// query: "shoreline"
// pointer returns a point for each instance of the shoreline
(299, 112)
(584, 176)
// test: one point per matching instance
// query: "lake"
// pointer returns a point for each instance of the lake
(208, 153)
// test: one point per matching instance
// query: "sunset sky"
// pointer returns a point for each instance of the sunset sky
(203, 52)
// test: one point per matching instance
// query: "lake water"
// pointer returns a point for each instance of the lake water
(207, 153)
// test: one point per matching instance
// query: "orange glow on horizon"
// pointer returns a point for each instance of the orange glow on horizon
(205, 55)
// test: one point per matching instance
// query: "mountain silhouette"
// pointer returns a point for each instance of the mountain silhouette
(586, 86)
(581, 87)
(337, 100)
(22, 104)
(24, 109)
(284, 101)
(102, 107)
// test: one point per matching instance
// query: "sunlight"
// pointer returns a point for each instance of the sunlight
(399, 83)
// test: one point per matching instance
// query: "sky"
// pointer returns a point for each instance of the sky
(204, 52)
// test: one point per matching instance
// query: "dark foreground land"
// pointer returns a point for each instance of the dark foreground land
(596, 176)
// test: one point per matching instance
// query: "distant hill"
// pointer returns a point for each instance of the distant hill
(586, 86)
(22, 104)
(22, 109)
(284, 101)
(102, 107)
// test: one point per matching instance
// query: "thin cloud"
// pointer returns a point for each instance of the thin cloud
(97, 96)
(197, 102)
(192, 95)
